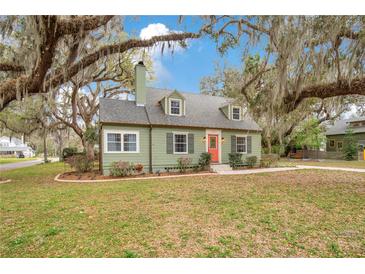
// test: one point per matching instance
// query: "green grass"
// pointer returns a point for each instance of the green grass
(324, 163)
(14, 160)
(305, 213)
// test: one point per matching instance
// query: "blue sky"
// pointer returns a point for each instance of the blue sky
(184, 69)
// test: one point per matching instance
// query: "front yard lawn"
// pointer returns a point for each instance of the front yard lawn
(305, 213)
(4, 161)
(325, 163)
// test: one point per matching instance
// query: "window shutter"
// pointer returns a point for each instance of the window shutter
(249, 144)
(233, 144)
(169, 143)
(191, 143)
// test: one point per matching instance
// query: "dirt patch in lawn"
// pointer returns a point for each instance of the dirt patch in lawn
(96, 175)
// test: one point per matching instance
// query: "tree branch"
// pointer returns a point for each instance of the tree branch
(72, 26)
(11, 67)
(341, 88)
(112, 49)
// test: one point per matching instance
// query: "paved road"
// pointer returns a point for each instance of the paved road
(4, 167)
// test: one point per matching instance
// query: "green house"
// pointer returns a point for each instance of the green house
(336, 133)
(160, 126)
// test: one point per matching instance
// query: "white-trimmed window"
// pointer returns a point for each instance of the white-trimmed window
(114, 142)
(241, 144)
(236, 113)
(175, 106)
(122, 142)
(180, 143)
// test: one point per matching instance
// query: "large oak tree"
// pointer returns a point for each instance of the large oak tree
(42, 53)
(310, 56)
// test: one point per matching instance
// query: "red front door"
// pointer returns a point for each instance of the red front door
(213, 147)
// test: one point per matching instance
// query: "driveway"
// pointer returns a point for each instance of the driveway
(4, 167)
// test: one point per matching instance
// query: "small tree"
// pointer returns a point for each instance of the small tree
(349, 148)
(310, 134)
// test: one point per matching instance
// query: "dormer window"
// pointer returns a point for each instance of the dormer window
(175, 106)
(236, 113)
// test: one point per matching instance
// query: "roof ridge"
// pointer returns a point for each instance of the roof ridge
(190, 93)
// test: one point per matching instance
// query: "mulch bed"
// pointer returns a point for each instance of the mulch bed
(96, 175)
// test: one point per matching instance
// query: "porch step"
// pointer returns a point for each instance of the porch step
(221, 167)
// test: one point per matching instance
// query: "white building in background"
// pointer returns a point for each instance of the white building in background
(15, 146)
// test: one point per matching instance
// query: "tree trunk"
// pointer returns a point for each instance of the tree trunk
(268, 137)
(60, 146)
(89, 148)
(45, 149)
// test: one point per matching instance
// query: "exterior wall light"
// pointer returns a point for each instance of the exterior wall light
(222, 140)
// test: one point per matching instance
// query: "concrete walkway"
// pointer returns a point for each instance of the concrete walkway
(254, 171)
(333, 168)
(277, 169)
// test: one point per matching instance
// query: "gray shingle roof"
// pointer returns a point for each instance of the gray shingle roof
(340, 126)
(201, 111)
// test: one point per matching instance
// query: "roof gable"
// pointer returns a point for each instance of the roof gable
(339, 127)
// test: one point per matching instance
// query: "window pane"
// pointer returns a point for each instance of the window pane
(175, 107)
(213, 142)
(114, 146)
(113, 137)
(130, 147)
(130, 142)
(241, 144)
(130, 137)
(180, 143)
(236, 113)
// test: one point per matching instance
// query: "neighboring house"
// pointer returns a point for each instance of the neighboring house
(15, 146)
(335, 134)
(161, 126)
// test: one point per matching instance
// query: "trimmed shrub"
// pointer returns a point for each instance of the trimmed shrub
(204, 160)
(80, 163)
(269, 160)
(251, 161)
(68, 152)
(121, 169)
(235, 159)
(183, 163)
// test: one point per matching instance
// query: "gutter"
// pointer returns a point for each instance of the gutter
(150, 142)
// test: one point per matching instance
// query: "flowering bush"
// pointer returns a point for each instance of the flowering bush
(138, 167)
(121, 168)
(183, 163)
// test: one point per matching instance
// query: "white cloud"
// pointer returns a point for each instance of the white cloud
(161, 73)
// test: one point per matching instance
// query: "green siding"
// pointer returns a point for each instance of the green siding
(141, 157)
(340, 138)
(226, 147)
(160, 158)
